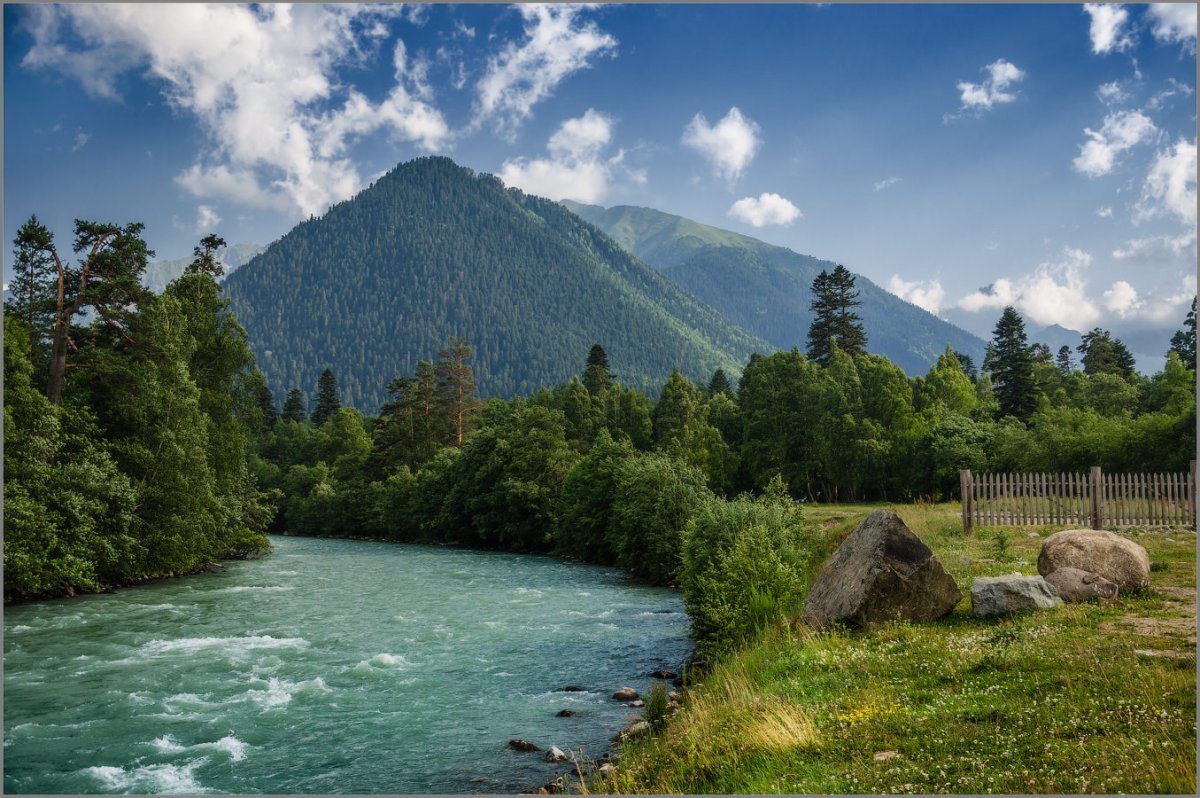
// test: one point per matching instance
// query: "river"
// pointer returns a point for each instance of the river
(331, 666)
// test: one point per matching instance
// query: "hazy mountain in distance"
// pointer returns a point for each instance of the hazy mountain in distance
(160, 272)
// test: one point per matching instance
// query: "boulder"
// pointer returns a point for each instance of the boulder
(570, 688)
(1075, 585)
(606, 770)
(882, 572)
(626, 694)
(637, 704)
(1002, 595)
(522, 745)
(665, 674)
(1097, 551)
(638, 729)
(555, 754)
(564, 713)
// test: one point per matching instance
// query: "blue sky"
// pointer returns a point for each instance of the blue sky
(1045, 152)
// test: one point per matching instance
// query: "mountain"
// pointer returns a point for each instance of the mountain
(433, 250)
(767, 289)
(161, 272)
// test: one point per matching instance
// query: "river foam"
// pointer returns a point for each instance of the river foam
(163, 779)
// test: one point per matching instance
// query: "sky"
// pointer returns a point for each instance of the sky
(965, 157)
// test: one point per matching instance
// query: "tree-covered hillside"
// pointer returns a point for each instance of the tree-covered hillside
(432, 250)
(768, 289)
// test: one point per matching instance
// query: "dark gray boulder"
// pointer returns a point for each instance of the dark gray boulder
(626, 694)
(522, 745)
(1003, 595)
(1075, 585)
(881, 573)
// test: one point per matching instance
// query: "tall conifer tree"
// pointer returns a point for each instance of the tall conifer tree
(328, 400)
(834, 298)
(1011, 366)
(293, 406)
(596, 376)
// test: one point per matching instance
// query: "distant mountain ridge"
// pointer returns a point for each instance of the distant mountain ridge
(767, 289)
(432, 250)
(160, 272)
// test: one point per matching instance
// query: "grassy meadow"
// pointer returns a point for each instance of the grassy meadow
(1085, 698)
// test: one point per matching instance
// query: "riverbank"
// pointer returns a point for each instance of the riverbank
(1083, 698)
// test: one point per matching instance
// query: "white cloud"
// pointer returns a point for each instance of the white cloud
(1122, 299)
(259, 79)
(81, 140)
(927, 295)
(886, 183)
(1054, 293)
(1107, 28)
(1160, 99)
(206, 220)
(1121, 131)
(729, 146)
(576, 167)
(1174, 22)
(767, 208)
(979, 97)
(1170, 186)
(1112, 93)
(1104, 212)
(1156, 249)
(557, 43)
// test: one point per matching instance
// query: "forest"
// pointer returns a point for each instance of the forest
(141, 440)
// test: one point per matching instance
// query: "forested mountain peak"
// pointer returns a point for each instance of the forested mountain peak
(767, 289)
(433, 250)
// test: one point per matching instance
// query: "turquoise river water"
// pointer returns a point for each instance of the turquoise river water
(331, 666)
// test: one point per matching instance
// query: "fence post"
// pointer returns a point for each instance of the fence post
(1097, 485)
(1192, 490)
(968, 500)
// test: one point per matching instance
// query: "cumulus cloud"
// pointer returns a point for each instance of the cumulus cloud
(1054, 293)
(261, 82)
(1170, 186)
(766, 209)
(886, 183)
(927, 295)
(1112, 93)
(206, 220)
(558, 42)
(576, 167)
(1122, 299)
(1121, 131)
(1173, 22)
(979, 97)
(730, 145)
(1108, 27)
(1156, 249)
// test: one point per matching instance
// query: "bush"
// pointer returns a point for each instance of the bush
(657, 708)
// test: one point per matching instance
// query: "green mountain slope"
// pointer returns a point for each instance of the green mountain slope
(767, 289)
(433, 250)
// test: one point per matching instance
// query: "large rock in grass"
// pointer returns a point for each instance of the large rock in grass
(1075, 585)
(1098, 551)
(1004, 595)
(882, 572)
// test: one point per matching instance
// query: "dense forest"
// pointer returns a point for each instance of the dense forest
(432, 250)
(141, 440)
(768, 289)
(126, 418)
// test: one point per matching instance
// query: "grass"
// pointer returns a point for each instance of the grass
(1084, 698)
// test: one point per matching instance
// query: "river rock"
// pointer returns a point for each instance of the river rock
(522, 745)
(637, 703)
(665, 674)
(1002, 595)
(1076, 585)
(882, 572)
(626, 694)
(1097, 551)
(555, 754)
(570, 688)
(564, 713)
(637, 729)
(607, 770)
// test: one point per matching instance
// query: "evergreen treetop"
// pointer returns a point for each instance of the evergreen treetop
(834, 297)
(328, 401)
(293, 406)
(1183, 342)
(1011, 365)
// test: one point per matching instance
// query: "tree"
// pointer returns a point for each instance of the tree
(720, 384)
(31, 301)
(968, 365)
(834, 296)
(1041, 353)
(1103, 354)
(266, 404)
(293, 406)
(328, 401)
(1011, 366)
(456, 388)
(596, 376)
(205, 257)
(1064, 362)
(107, 280)
(1183, 342)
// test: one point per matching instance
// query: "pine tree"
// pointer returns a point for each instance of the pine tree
(1183, 342)
(1011, 366)
(205, 257)
(266, 404)
(1103, 354)
(720, 384)
(1064, 362)
(456, 388)
(967, 363)
(328, 400)
(293, 406)
(834, 296)
(596, 376)
(31, 300)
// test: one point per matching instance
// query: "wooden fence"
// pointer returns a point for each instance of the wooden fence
(1095, 499)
